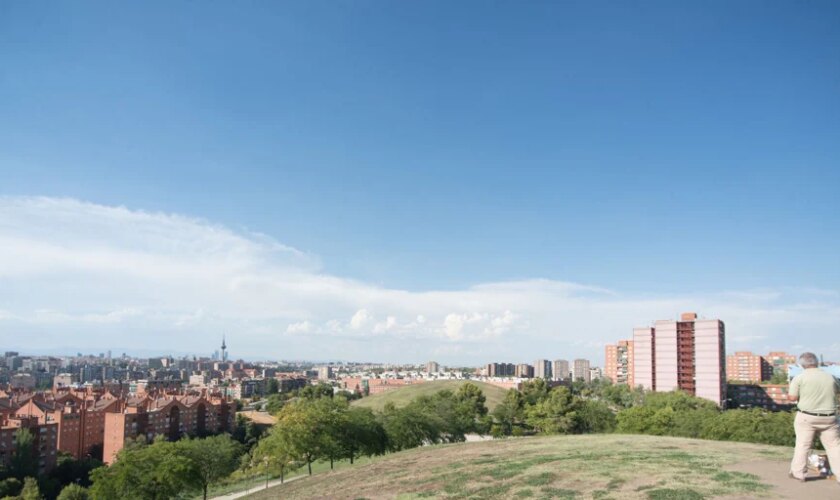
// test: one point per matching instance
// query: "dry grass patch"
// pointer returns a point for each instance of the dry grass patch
(591, 466)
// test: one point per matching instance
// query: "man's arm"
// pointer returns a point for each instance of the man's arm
(793, 390)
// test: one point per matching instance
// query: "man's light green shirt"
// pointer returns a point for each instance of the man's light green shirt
(817, 391)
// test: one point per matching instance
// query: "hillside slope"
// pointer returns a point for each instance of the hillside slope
(403, 395)
(590, 466)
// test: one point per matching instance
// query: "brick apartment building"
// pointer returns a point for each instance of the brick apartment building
(688, 355)
(44, 442)
(171, 416)
(768, 396)
(618, 363)
(80, 421)
(780, 361)
(99, 423)
(744, 366)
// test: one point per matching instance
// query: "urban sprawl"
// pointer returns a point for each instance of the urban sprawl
(91, 406)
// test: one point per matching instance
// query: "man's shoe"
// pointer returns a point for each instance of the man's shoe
(800, 479)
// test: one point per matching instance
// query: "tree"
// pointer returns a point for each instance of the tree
(10, 487)
(273, 386)
(472, 401)
(361, 434)
(68, 470)
(452, 419)
(299, 425)
(247, 432)
(471, 395)
(210, 459)
(272, 454)
(151, 472)
(73, 492)
(332, 415)
(554, 414)
(321, 390)
(752, 426)
(618, 396)
(534, 391)
(779, 377)
(668, 414)
(274, 403)
(410, 426)
(24, 461)
(509, 414)
(30, 490)
(594, 416)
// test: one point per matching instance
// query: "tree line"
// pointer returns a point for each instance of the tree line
(320, 427)
(601, 406)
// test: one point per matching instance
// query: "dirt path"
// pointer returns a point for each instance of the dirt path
(776, 474)
(256, 488)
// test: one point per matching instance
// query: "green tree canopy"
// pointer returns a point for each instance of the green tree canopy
(272, 454)
(362, 434)
(299, 428)
(321, 390)
(554, 414)
(410, 426)
(68, 470)
(24, 460)
(210, 459)
(149, 472)
(74, 492)
(30, 490)
(473, 398)
(10, 487)
(509, 414)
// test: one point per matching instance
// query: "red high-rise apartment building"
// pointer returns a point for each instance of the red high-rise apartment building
(780, 361)
(618, 363)
(688, 355)
(745, 366)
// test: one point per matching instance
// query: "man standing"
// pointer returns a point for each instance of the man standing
(816, 393)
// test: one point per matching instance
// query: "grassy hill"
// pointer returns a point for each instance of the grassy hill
(589, 466)
(403, 395)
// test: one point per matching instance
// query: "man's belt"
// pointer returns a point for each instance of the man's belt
(818, 414)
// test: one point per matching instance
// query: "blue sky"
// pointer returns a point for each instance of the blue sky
(664, 150)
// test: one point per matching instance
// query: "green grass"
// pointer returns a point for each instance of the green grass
(404, 395)
(590, 466)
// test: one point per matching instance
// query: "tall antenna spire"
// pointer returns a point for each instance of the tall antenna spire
(224, 347)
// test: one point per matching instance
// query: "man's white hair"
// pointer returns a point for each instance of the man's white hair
(808, 360)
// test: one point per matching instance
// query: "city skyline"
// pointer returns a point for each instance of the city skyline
(417, 181)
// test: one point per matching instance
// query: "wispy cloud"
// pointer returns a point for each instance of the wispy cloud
(89, 276)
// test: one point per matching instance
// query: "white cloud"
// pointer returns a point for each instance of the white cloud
(300, 327)
(77, 275)
(360, 319)
(388, 325)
